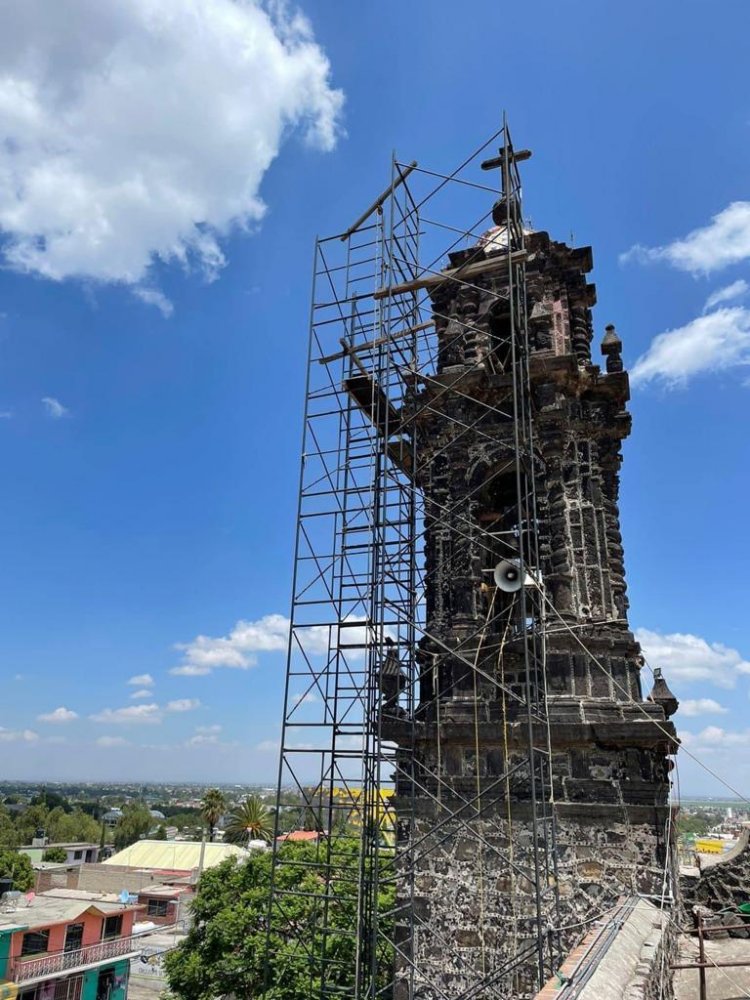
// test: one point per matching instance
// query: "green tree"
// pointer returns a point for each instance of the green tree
(212, 809)
(224, 952)
(18, 867)
(134, 824)
(249, 820)
(52, 800)
(161, 832)
(56, 854)
(68, 827)
(29, 821)
(8, 833)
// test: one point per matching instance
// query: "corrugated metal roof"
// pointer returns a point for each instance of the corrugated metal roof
(173, 855)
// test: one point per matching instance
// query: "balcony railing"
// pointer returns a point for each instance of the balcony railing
(25, 969)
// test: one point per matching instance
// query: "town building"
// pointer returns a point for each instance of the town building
(174, 855)
(77, 852)
(66, 944)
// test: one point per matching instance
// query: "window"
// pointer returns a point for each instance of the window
(35, 943)
(73, 937)
(112, 927)
(69, 989)
(77, 855)
(105, 984)
(60, 989)
(157, 907)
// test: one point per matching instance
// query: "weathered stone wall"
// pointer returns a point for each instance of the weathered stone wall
(474, 900)
(466, 881)
(722, 883)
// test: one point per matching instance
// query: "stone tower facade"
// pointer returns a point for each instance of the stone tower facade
(474, 902)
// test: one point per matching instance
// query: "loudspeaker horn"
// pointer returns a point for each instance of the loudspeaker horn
(508, 577)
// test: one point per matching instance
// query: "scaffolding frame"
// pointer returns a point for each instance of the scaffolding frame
(358, 594)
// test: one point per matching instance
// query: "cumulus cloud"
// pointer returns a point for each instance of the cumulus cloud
(18, 735)
(183, 705)
(141, 680)
(269, 634)
(142, 693)
(141, 131)
(685, 657)
(61, 714)
(54, 408)
(130, 715)
(235, 650)
(724, 241)
(713, 342)
(716, 738)
(701, 706)
(727, 294)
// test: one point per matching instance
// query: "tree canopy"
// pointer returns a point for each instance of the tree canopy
(56, 854)
(135, 822)
(224, 952)
(18, 867)
(8, 833)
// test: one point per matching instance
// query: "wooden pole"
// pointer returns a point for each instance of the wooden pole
(702, 959)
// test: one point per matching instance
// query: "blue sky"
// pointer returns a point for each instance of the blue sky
(153, 328)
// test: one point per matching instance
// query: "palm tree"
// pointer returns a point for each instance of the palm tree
(212, 809)
(249, 820)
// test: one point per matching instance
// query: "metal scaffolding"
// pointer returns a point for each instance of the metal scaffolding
(358, 607)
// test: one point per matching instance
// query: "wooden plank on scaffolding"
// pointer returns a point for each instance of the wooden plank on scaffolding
(371, 399)
(464, 273)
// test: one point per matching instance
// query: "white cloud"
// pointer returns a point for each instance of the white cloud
(207, 730)
(701, 706)
(18, 736)
(724, 241)
(6, 414)
(142, 693)
(137, 131)
(685, 657)
(183, 705)
(153, 297)
(305, 699)
(715, 738)
(61, 714)
(141, 680)
(268, 746)
(111, 741)
(268, 634)
(54, 408)
(131, 714)
(235, 650)
(203, 739)
(190, 670)
(713, 342)
(726, 294)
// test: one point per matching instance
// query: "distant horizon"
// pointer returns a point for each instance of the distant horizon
(156, 783)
